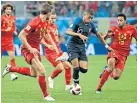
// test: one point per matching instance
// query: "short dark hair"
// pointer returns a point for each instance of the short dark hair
(7, 5)
(45, 8)
(89, 11)
(123, 15)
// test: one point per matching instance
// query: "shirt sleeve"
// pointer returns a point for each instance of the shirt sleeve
(94, 29)
(30, 27)
(112, 28)
(75, 23)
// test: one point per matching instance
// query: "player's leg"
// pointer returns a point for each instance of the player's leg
(10, 51)
(116, 74)
(107, 72)
(67, 67)
(74, 55)
(40, 70)
(58, 69)
(83, 61)
(75, 64)
(83, 66)
(21, 70)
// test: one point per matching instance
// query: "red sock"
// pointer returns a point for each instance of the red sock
(104, 78)
(68, 75)
(55, 73)
(21, 70)
(12, 62)
(43, 86)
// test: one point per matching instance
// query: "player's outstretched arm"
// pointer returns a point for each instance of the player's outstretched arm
(47, 45)
(23, 39)
(71, 33)
(103, 41)
(6, 30)
(52, 42)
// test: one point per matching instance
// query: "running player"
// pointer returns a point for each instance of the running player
(122, 37)
(80, 30)
(31, 36)
(8, 27)
(51, 55)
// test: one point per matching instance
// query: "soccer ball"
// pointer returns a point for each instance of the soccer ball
(75, 89)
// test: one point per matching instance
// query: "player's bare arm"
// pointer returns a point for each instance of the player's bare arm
(47, 45)
(71, 33)
(104, 42)
(22, 37)
(52, 42)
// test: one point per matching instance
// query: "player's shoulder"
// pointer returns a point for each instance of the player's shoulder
(113, 28)
(91, 24)
(130, 26)
(55, 26)
(3, 16)
(35, 21)
(78, 19)
(13, 17)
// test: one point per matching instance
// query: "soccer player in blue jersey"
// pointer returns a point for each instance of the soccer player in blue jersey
(80, 30)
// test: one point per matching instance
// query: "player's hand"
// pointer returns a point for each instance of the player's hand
(109, 33)
(8, 29)
(83, 37)
(15, 33)
(63, 57)
(51, 47)
(109, 49)
(33, 50)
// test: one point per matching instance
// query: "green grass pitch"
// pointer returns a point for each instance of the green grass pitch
(26, 89)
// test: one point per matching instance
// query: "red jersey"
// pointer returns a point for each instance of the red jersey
(36, 30)
(7, 21)
(53, 31)
(122, 39)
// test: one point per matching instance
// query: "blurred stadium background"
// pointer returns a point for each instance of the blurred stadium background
(105, 13)
(26, 90)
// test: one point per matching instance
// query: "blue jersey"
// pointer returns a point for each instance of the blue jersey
(79, 26)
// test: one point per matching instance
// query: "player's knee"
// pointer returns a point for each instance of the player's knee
(82, 70)
(60, 66)
(116, 78)
(12, 57)
(111, 61)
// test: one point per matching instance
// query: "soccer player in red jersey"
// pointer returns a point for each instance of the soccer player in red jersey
(31, 36)
(121, 40)
(8, 27)
(51, 55)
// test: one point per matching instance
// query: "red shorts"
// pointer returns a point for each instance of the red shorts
(51, 58)
(120, 60)
(28, 56)
(8, 47)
